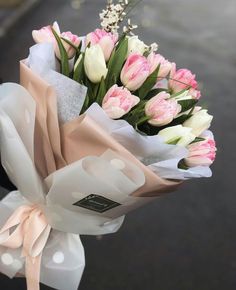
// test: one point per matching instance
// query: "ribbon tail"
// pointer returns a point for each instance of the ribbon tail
(32, 272)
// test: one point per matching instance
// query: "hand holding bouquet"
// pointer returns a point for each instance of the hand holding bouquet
(100, 126)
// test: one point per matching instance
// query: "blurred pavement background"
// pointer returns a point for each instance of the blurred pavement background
(186, 240)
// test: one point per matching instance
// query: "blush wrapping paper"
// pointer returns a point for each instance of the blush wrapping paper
(67, 222)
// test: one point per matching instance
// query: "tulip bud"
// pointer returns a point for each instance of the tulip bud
(135, 45)
(199, 122)
(45, 34)
(184, 79)
(201, 153)
(177, 135)
(135, 72)
(94, 64)
(161, 109)
(156, 60)
(106, 40)
(118, 101)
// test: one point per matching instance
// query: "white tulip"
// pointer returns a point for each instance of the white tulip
(135, 45)
(199, 122)
(179, 134)
(95, 64)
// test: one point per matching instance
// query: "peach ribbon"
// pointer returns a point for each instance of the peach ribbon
(28, 228)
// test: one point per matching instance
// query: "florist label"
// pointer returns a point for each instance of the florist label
(97, 203)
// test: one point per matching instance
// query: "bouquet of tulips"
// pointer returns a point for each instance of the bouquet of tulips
(99, 126)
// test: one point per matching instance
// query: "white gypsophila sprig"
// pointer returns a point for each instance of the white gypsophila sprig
(153, 47)
(129, 28)
(114, 14)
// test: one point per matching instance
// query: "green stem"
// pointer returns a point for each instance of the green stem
(142, 121)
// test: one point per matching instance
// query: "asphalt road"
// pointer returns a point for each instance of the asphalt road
(186, 240)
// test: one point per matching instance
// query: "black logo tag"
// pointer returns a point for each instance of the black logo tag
(97, 203)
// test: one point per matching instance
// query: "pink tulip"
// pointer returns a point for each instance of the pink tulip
(161, 109)
(183, 79)
(106, 40)
(201, 153)
(155, 60)
(45, 34)
(135, 71)
(74, 39)
(118, 101)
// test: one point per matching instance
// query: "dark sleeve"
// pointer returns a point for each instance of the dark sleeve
(4, 180)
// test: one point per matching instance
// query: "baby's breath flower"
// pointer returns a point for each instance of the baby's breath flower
(153, 47)
(129, 29)
(113, 15)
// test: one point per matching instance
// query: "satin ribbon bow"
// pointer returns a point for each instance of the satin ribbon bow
(28, 228)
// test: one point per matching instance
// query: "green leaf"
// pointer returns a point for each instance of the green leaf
(137, 110)
(78, 53)
(198, 139)
(110, 61)
(80, 46)
(187, 104)
(154, 92)
(137, 115)
(95, 88)
(148, 84)
(120, 40)
(174, 142)
(149, 129)
(116, 62)
(182, 165)
(79, 72)
(142, 120)
(90, 92)
(72, 44)
(65, 69)
(179, 93)
(111, 78)
(101, 92)
(86, 104)
(180, 120)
